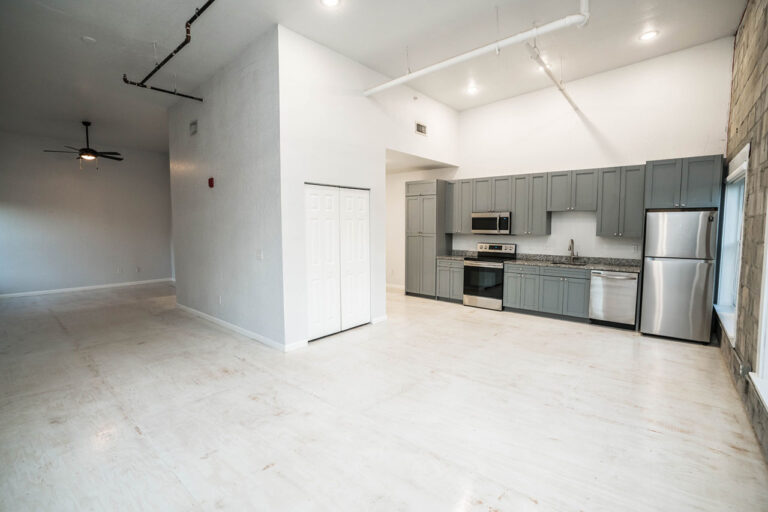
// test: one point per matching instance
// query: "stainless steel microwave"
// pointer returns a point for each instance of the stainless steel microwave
(492, 223)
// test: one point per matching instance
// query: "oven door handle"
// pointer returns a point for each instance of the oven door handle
(483, 264)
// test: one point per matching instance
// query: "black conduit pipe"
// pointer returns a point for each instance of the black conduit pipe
(187, 39)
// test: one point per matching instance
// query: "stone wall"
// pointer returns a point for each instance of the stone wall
(749, 124)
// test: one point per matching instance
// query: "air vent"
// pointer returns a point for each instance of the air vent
(193, 127)
(421, 129)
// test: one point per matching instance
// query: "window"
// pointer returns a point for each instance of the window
(730, 254)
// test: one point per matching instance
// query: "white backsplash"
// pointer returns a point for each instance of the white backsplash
(580, 226)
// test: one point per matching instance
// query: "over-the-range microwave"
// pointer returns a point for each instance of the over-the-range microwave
(492, 223)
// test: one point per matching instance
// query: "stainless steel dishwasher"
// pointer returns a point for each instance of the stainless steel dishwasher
(613, 296)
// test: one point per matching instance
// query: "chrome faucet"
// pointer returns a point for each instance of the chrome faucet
(571, 248)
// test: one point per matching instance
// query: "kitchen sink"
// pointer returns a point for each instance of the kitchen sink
(577, 261)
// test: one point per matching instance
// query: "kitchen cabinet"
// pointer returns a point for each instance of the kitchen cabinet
(551, 294)
(559, 191)
(702, 182)
(513, 285)
(426, 238)
(576, 297)
(529, 292)
(529, 201)
(420, 272)
(572, 190)
(451, 195)
(584, 190)
(421, 214)
(620, 211)
(684, 182)
(482, 195)
(491, 194)
(450, 279)
(465, 207)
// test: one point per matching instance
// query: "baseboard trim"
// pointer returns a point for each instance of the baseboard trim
(379, 319)
(85, 288)
(245, 332)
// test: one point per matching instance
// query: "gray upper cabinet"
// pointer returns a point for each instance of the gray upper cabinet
(631, 210)
(620, 211)
(701, 182)
(559, 192)
(521, 204)
(684, 182)
(584, 190)
(662, 183)
(572, 190)
(428, 205)
(502, 193)
(529, 205)
(482, 195)
(451, 205)
(465, 206)
(420, 188)
(539, 218)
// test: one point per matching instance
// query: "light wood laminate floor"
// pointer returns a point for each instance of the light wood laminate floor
(116, 400)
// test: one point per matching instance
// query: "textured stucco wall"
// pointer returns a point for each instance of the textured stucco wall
(749, 124)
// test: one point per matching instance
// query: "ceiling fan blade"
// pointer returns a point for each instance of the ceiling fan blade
(114, 153)
(70, 147)
(102, 155)
(57, 151)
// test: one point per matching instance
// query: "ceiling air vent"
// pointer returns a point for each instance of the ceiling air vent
(421, 129)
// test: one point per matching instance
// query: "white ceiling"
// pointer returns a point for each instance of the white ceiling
(50, 79)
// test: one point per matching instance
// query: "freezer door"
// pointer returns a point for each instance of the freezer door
(691, 234)
(677, 298)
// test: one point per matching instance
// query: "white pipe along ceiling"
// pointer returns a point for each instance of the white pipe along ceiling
(579, 20)
(535, 55)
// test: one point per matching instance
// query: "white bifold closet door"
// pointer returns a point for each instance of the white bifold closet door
(338, 259)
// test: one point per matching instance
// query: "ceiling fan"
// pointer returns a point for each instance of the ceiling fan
(88, 153)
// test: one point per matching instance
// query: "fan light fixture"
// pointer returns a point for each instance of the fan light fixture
(472, 89)
(651, 34)
(87, 157)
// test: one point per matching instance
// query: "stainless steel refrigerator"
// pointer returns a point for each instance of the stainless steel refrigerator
(679, 274)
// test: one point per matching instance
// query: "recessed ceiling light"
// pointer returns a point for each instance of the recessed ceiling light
(472, 89)
(651, 34)
(330, 3)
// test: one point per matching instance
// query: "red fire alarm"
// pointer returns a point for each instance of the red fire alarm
(210, 182)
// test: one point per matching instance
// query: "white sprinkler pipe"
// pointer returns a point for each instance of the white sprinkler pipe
(535, 55)
(580, 20)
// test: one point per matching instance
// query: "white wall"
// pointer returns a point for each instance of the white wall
(227, 240)
(63, 227)
(331, 134)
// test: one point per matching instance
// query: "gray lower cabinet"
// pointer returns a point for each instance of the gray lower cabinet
(529, 292)
(420, 271)
(576, 297)
(551, 295)
(450, 279)
(513, 285)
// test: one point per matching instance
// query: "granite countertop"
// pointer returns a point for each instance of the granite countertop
(548, 260)
(454, 257)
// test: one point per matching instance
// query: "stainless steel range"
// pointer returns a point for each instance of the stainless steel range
(484, 275)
